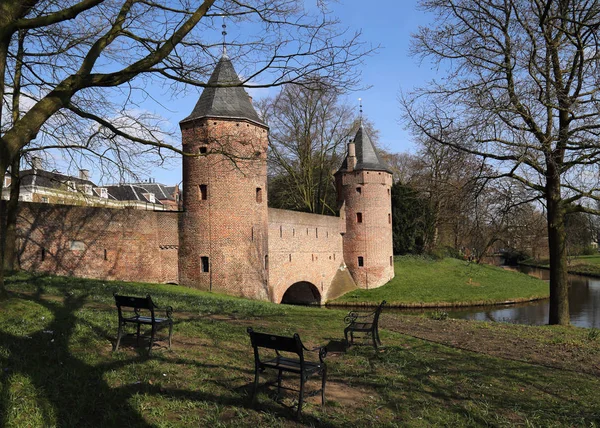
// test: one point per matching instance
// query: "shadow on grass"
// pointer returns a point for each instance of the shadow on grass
(68, 391)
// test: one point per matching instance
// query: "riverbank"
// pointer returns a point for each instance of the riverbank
(58, 368)
(579, 265)
(422, 282)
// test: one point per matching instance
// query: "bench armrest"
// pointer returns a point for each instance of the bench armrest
(322, 352)
(353, 316)
(168, 310)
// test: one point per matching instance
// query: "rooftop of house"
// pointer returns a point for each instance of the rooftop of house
(50, 179)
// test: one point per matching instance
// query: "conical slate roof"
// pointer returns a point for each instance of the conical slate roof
(366, 155)
(222, 99)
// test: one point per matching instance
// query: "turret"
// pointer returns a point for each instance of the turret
(364, 186)
(223, 229)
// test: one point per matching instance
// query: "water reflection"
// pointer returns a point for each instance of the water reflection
(584, 304)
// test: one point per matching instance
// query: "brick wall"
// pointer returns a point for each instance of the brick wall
(306, 248)
(225, 208)
(368, 226)
(129, 245)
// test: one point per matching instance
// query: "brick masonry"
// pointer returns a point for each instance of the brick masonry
(128, 245)
(368, 217)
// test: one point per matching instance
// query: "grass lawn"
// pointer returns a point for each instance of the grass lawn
(423, 281)
(578, 265)
(57, 368)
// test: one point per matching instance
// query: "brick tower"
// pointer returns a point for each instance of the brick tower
(223, 229)
(364, 194)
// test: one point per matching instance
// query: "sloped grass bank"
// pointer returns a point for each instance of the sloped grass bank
(425, 282)
(579, 265)
(57, 368)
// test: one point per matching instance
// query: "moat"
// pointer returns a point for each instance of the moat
(584, 304)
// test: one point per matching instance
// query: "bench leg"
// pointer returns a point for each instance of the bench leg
(301, 398)
(279, 376)
(377, 335)
(255, 388)
(346, 336)
(151, 338)
(323, 382)
(119, 335)
(170, 334)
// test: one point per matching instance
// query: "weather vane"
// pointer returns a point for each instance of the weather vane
(360, 110)
(224, 33)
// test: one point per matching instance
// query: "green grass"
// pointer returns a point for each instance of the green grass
(421, 281)
(577, 265)
(57, 368)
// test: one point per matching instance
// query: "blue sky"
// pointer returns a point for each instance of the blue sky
(389, 25)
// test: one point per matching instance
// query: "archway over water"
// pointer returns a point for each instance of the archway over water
(302, 293)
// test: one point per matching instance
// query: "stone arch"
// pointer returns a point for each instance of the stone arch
(302, 293)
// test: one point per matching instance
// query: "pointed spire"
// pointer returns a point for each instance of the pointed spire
(222, 98)
(367, 157)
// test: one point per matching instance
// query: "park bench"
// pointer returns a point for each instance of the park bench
(142, 311)
(292, 360)
(364, 323)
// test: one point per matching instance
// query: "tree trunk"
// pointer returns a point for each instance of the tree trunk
(3, 293)
(559, 285)
(10, 245)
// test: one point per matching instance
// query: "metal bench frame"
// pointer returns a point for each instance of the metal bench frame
(135, 316)
(281, 363)
(367, 323)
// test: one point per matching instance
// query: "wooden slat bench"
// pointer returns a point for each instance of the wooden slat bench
(141, 311)
(367, 323)
(293, 362)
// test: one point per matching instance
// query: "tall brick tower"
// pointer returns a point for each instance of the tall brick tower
(223, 229)
(364, 194)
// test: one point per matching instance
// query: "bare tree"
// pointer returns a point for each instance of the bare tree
(308, 131)
(77, 49)
(521, 91)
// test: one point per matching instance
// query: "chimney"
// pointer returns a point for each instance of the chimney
(36, 162)
(351, 156)
(84, 174)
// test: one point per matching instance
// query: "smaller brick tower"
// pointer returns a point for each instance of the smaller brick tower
(224, 227)
(364, 196)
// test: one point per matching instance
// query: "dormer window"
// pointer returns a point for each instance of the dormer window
(71, 186)
(149, 197)
(102, 192)
(87, 189)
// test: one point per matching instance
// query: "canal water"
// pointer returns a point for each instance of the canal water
(584, 304)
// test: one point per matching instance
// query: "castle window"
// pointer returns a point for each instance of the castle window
(359, 190)
(281, 231)
(290, 257)
(252, 233)
(266, 262)
(389, 218)
(203, 192)
(205, 265)
(361, 261)
(359, 217)
(105, 254)
(203, 150)
(258, 195)
(316, 232)
(43, 254)
(388, 192)
(293, 232)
